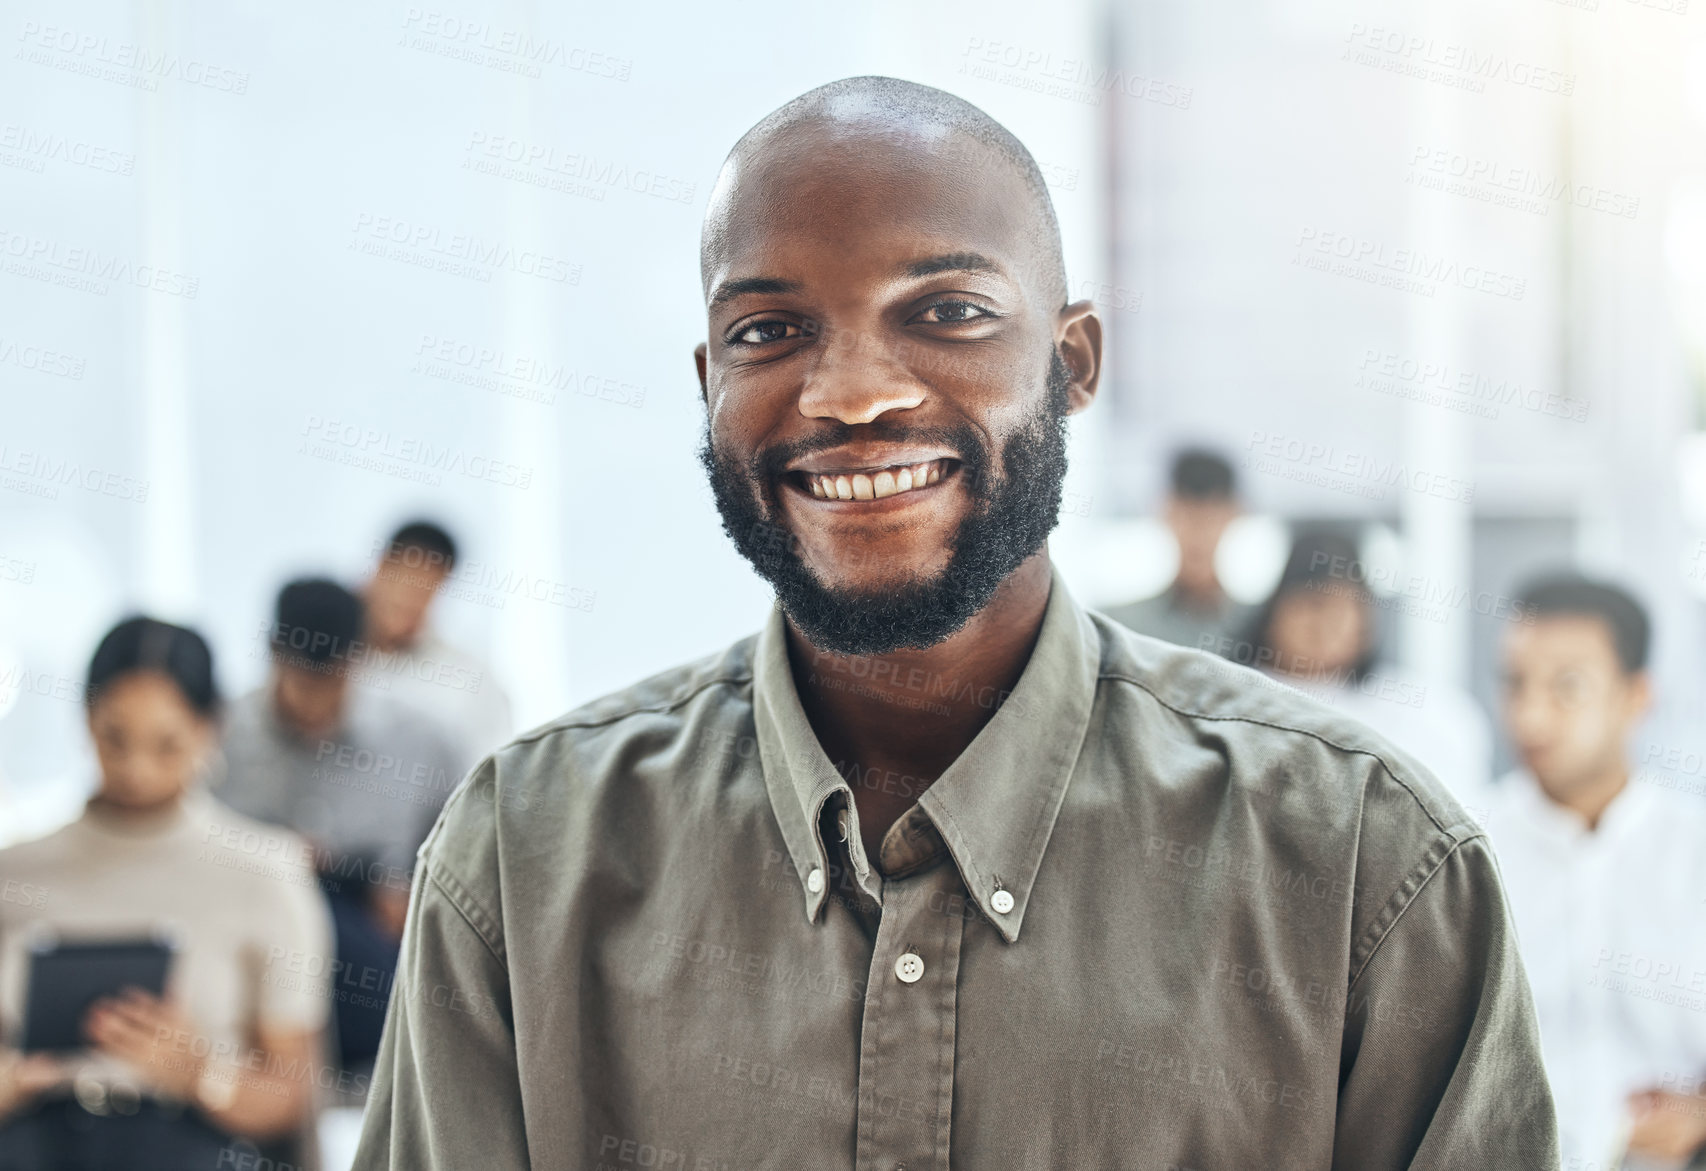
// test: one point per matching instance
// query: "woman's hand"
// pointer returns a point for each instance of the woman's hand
(24, 1076)
(1667, 1125)
(152, 1035)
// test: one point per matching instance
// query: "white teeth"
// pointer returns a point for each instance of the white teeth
(874, 485)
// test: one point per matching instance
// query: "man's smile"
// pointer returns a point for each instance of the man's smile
(872, 482)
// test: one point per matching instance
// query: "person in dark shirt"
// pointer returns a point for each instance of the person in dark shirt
(358, 775)
(1194, 610)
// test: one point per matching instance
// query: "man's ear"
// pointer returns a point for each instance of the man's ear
(699, 361)
(1078, 337)
(1640, 694)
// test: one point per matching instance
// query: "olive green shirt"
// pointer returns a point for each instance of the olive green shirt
(1161, 913)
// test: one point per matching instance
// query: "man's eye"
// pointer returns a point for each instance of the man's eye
(952, 313)
(760, 332)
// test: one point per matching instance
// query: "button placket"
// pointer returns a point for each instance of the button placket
(906, 1054)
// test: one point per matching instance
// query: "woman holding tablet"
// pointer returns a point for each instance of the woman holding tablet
(229, 1057)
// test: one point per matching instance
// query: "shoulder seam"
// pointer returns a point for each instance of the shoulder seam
(473, 914)
(1381, 760)
(565, 723)
(1382, 933)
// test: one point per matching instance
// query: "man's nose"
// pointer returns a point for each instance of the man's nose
(856, 378)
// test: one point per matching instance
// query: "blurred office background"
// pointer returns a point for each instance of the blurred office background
(272, 281)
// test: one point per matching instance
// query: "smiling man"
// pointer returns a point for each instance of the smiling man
(939, 869)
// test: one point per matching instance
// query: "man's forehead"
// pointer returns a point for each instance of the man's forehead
(867, 195)
(1562, 636)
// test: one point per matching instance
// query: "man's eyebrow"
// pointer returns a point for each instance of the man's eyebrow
(954, 262)
(729, 290)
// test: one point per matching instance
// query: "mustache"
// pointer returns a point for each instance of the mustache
(963, 440)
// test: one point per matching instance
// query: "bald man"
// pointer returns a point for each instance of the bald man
(938, 868)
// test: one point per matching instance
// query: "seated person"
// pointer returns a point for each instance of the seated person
(1318, 632)
(196, 1079)
(412, 664)
(358, 775)
(1605, 878)
(1202, 502)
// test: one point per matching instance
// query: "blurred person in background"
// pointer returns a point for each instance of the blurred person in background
(1605, 878)
(1319, 632)
(226, 1059)
(359, 775)
(414, 665)
(1201, 503)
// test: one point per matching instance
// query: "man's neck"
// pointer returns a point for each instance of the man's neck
(1591, 799)
(1199, 596)
(893, 723)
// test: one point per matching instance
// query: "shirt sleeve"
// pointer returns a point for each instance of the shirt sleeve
(446, 1091)
(295, 990)
(1441, 1064)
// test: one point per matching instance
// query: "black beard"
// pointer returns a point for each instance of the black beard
(1011, 516)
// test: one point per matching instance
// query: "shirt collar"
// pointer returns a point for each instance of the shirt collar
(1622, 818)
(995, 806)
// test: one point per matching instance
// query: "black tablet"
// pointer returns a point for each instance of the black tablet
(67, 978)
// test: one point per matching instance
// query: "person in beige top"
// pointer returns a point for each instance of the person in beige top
(939, 870)
(227, 1064)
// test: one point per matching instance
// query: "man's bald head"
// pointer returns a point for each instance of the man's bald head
(847, 120)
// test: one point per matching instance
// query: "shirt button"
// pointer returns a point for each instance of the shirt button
(814, 880)
(1002, 901)
(908, 968)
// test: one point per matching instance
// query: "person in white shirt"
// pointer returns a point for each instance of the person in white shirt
(407, 659)
(1605, 877)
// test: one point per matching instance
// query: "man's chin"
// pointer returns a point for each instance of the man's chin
(872, 618)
